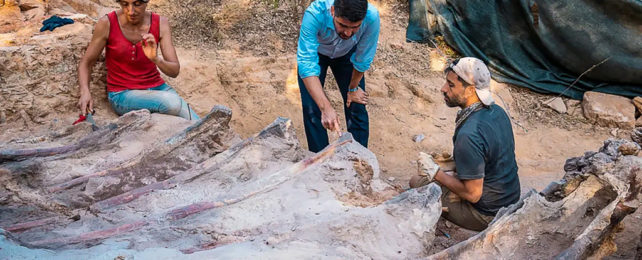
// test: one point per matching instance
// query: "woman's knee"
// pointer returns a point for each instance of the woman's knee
(170, 104)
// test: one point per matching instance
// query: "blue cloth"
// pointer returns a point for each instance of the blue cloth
(54, 22)
(161, 99)
(318, 36)
(356, 114)
(484, 147)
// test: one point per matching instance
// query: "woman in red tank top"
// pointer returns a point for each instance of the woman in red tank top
(131, 37)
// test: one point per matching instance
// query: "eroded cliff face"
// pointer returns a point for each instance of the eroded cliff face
(38, 69)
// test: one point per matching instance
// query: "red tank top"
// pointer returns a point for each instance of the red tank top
(127, 65)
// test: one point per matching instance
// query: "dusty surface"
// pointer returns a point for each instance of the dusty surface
(241, 54)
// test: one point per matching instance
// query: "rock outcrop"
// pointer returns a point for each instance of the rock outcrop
(38, 69)
(609, 110)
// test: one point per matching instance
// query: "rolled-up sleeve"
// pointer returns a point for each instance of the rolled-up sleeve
(367, 46)
(307, 57)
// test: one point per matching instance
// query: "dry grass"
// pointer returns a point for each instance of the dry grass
(210, 23)
(193, 21)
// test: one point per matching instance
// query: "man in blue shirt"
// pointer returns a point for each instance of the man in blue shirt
(342, 35)
(485, 175)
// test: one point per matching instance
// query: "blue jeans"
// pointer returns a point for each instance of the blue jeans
(356, 114)
(162, 99)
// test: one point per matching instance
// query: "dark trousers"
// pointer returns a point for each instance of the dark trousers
(356, 114)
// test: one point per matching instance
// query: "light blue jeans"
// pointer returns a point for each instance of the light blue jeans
(162, 99)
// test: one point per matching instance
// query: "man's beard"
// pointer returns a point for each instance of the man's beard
(454, 102)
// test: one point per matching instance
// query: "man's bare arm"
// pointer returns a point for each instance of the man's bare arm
(356, 77)
(470, 190)
(329, 117)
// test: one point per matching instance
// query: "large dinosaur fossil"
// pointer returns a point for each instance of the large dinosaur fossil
(205, 193)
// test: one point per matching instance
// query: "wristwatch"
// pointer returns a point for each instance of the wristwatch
(353, 89)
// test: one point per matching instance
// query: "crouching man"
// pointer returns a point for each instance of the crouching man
(485, 175)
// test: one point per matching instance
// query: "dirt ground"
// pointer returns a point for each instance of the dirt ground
(242, 54)
(253, 71)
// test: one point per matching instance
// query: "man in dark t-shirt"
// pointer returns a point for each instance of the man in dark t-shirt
(485, 177)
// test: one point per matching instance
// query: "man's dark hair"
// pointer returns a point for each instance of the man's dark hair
(353, 10)
(450, 68)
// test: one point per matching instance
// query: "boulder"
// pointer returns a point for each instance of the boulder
(637, 101)
(502, 95)
(556, 104)
(10, 19)
(609, 110)
(26, 5)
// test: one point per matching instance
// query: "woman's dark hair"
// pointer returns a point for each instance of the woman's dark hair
(353, 10)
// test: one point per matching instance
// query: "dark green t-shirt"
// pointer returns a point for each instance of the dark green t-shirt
(484, 147)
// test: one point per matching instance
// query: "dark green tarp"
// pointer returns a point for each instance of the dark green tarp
(543, 45)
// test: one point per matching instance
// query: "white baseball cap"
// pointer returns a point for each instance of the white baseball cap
(474, 72)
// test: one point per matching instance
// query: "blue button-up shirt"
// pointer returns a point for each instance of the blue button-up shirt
(318, 35)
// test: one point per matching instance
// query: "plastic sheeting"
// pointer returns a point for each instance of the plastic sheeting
(544, 45)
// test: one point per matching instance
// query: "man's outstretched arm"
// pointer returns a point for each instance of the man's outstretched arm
(329, 117)
(309, 69)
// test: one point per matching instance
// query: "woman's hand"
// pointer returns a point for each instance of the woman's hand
(85, 102)
(150, 47)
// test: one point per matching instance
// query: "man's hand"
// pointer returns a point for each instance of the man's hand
(427, 166)
(85, 102)
(358, 96)
(330, 120)
(445, 161)
(426, 171)
(150, 48)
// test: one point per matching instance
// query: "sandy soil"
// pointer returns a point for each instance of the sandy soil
(259, 84)
(243, 57)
